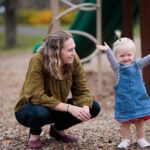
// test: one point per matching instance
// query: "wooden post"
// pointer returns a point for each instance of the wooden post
(99, 38)
(55, 12)
(127, 19)
(144, 9)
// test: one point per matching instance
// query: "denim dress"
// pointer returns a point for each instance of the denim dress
(131, 99)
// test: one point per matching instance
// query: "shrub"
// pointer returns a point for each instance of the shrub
(44, 16)
(33, 16)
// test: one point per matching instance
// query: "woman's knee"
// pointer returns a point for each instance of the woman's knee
(35, 115)
(42, 114)
(24, 117)
(95, 109)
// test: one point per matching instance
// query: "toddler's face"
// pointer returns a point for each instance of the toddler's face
(125, 57)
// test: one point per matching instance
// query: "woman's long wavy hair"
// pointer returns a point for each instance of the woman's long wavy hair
(51, 49)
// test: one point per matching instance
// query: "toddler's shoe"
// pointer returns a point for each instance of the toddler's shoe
(124, 143)
(143, 143)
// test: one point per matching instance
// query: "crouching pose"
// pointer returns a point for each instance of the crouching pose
(53, 72)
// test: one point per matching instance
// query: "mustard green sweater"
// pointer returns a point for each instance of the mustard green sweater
(40, 89)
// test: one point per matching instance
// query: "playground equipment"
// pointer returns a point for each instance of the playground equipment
(79, 25)
(90, 6)
(86, 27)
(116, 14)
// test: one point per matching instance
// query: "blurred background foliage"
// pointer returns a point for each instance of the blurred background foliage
(43, 16)
(37, 17)
(24, 23)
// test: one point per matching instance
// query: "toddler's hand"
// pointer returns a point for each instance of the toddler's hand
(102, 47)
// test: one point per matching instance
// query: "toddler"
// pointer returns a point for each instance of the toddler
(132, 104)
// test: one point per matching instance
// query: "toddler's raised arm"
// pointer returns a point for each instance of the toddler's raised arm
(143, 62)
(111, 58)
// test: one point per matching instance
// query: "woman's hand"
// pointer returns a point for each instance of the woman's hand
(102, 47)
(86, 108)
(81, 113)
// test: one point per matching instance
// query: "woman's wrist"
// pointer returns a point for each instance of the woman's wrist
(68, 107)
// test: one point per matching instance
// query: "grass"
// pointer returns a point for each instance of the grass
(24, 42)
(29, 41)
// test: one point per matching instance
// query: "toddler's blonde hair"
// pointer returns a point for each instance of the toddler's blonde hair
(122, 44)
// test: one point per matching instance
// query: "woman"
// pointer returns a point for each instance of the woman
(53, 72)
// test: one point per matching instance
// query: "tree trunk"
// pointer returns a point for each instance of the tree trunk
(10, 23)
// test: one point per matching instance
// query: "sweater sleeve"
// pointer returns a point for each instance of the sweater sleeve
(143, 62)
(112, 60)
(34, 88)
(80, 92)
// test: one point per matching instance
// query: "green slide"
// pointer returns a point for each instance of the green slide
(111, 20)
(86, 21)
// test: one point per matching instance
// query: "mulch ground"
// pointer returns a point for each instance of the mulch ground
(100, 133)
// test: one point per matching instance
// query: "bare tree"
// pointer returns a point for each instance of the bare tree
(10, 22)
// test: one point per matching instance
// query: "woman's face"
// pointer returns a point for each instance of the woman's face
(68, 52)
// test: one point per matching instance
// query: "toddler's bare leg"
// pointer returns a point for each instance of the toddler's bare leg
(140, 129)
(141, 134)
(125, 126)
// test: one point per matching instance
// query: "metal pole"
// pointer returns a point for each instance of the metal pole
(99, 38)
(55, 12)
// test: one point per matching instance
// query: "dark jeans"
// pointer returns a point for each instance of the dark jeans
(36, 116)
